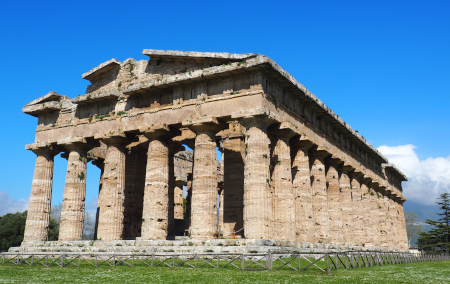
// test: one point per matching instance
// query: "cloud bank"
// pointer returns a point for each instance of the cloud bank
(9, 205)
(427, 179)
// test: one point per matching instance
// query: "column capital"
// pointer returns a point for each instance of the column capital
(302, 142)
(356, 174)
(44, 149)
(400, 199)
(204, 124)
(76, 143)
(283, 130)
(346, 167)
(235, 130)
(260, 117)
(116, 138)
(333, 161)
(159, 130)
(367, 180)
(319, 151)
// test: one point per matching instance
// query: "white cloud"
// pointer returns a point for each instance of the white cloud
(427, 179)
(9, 205)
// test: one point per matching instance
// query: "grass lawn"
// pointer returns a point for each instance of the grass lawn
(424, 272)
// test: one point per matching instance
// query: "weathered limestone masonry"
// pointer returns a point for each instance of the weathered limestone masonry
(292, 171)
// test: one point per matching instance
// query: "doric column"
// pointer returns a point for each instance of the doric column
(374, 214)
(112, 196)
(346, 203)
(204, 188)
(334, 200)
(72, 213)
(301, 183)
(233, 185)
(187, 218)
(173, 149)
(157, 217)
(258, 215)
(319, 195)
(403, 238)
(38, 218)
(283, 197)
(368, 211)
(358, 223)
(382, 213)
(391, 223)
(178, 200)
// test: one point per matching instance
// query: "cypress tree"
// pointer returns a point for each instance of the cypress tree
(437, 240)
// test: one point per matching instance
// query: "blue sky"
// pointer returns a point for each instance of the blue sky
(383, 66)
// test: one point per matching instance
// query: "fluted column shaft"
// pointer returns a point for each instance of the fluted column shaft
(72, 213)
(346, 202)
(368, 216)
(100, 163)
(204, 188)
(111, 215)
(403, 241)
(233, 186)
(258, 216)
(358, 225)
(156, 195)
(319, 197)
(178, 200)
(382, 213)
(301, 184)
(334, 202)
(393, 234)
(38, 218)
(187, 219)
(135, 169)
(283, 201)
(374, 216)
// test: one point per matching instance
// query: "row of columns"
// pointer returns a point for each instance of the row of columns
(277, 185)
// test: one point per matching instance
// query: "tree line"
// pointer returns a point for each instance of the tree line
(12, 227)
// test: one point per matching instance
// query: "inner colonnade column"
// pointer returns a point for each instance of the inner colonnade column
(319, 195)
(157, 217)
(100, 164)
(38, 217)
(233, 185)
(112, 197)
(73, 206)
(135, 169)
(301, 183)
(334, 200)
(283, 198)
(204, 187)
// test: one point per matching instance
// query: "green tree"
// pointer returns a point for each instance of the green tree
(12, 228)
(438, 238)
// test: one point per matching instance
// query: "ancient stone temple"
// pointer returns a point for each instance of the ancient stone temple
(291, 169)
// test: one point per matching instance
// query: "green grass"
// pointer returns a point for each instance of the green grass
(424, 272)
